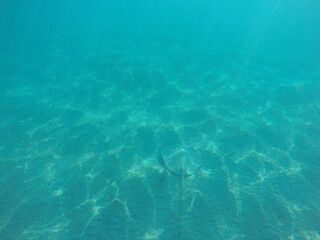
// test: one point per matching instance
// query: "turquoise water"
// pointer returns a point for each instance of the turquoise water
(93, 92)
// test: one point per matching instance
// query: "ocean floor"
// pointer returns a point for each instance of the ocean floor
(82, 125)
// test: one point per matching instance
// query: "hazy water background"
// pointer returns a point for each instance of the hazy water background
(92, 91)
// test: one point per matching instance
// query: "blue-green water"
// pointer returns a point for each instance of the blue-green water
(91, 92)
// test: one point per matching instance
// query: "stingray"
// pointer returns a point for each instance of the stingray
(181, 163)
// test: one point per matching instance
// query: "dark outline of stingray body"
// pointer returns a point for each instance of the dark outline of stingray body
(163, 164)
(181, 178)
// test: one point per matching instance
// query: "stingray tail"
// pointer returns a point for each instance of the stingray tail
(180, 207)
